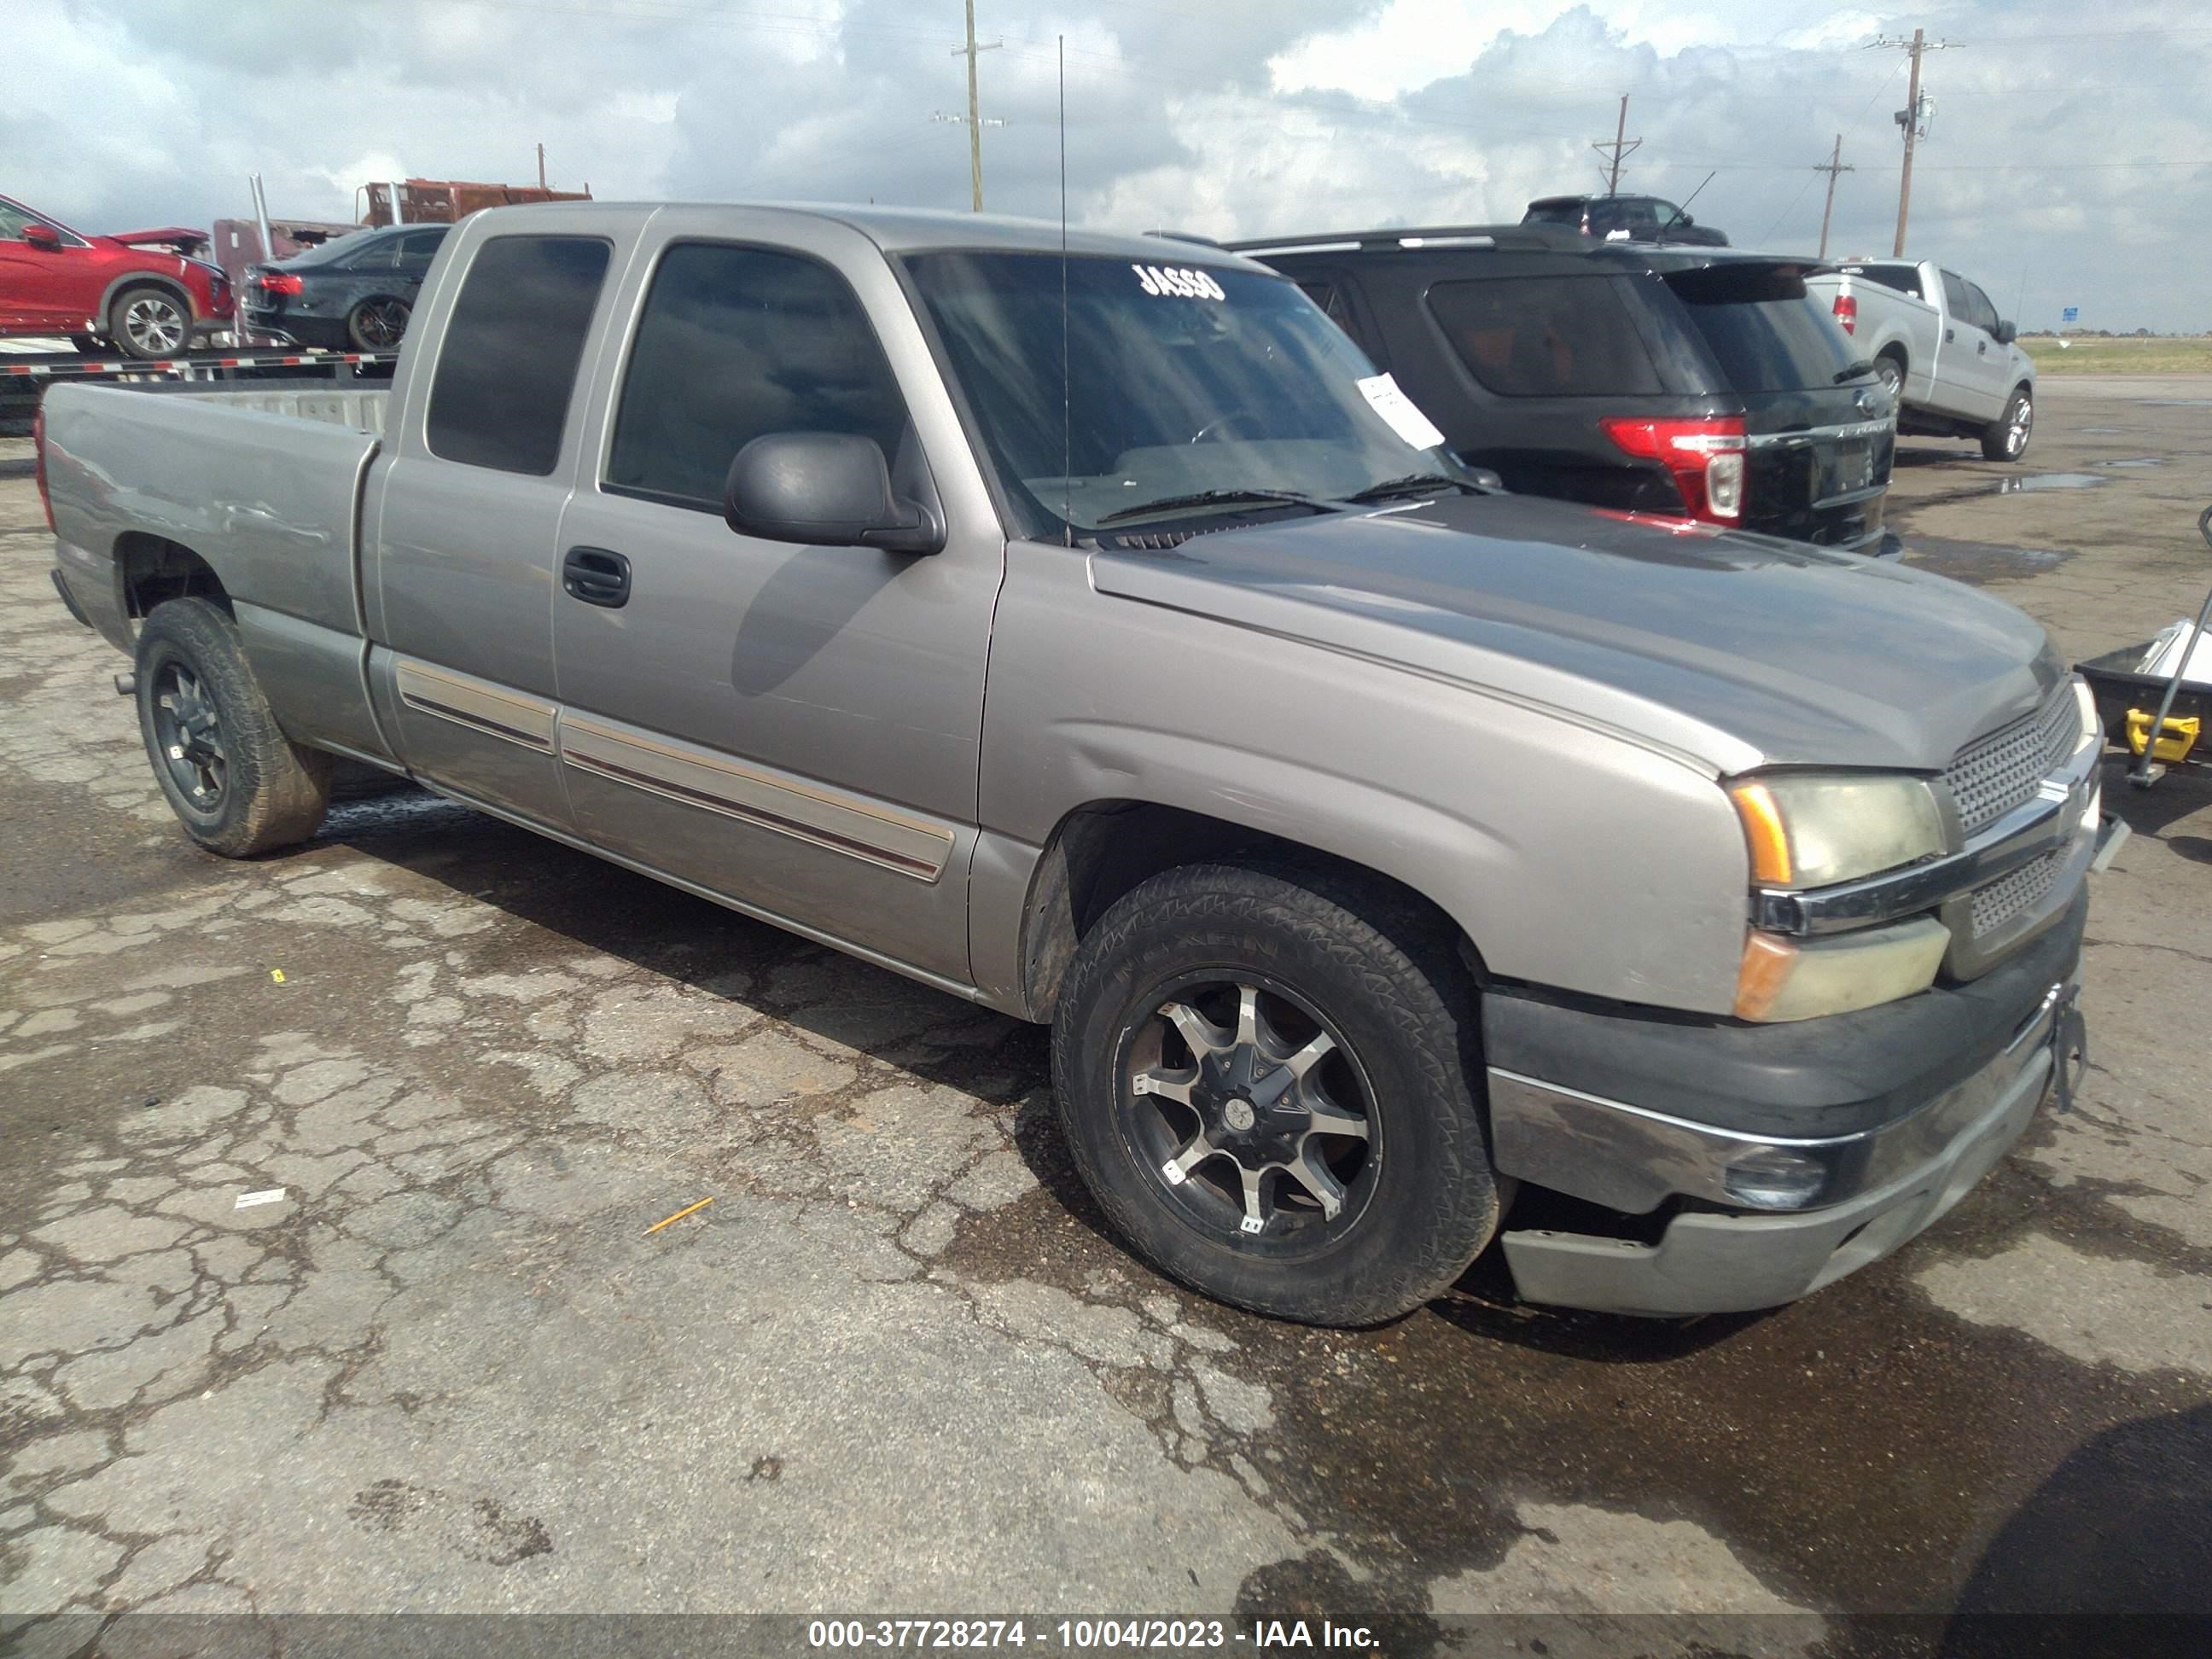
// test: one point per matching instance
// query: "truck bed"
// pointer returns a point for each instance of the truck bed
(271, 474)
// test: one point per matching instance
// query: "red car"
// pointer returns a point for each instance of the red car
(121, 291)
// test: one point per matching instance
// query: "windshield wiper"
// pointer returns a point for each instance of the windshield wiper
(1212, 498)
(1864, 365)
(1413, 483)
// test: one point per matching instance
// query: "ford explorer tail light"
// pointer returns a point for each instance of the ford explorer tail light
(1704, 457)
(279, 281)
(1847, 312)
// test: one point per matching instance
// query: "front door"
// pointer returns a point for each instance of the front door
(793, 729)
(52, 288)
(1972, 363)
(464, 520)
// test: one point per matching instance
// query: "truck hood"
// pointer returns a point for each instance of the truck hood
(1739, 650)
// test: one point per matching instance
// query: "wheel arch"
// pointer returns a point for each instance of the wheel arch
(1102, 850)
(130, 279)
(152, 569)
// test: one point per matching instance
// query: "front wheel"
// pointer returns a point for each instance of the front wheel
(150, 324)
(2006, 439)
(236, 781)
(1268, 1079)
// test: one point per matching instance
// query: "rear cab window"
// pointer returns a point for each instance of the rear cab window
(1549, 336)
(1905, 279)
(735, 342)
(506, 366)
(1762, 328)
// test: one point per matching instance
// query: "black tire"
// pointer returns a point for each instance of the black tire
(378, 323)
(236, 781)
(150, 324)
(1326, 955)
(2005, 439)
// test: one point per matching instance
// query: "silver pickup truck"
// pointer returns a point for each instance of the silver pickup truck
(1937, 343)
(1092, 634)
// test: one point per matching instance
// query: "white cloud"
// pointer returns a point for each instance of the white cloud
(1242, 116)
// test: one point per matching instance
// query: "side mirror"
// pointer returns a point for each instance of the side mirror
(2006, 334)
(823, 489)
(1685, 219)
(42, 236)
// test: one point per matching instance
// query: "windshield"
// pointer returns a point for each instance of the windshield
(1181, 382)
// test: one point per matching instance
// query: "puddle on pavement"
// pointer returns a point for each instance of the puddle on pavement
(1976, 563)
(2029, 482)
(2133, 460)
(2100, 431)
(2177, 403)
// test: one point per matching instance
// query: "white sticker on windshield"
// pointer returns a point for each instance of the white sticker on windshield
(1384, 397)
(1175, 281)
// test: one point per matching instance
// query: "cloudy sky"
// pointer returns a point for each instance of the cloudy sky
(2069, 162)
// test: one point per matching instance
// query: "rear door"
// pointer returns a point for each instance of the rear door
(1972, 372)
(1822, 438)
(794, 729)
(464, 518)
(1518, 368)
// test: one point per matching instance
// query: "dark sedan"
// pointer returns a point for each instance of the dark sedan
(354, 294)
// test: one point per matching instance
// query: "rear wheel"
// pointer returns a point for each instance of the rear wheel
(1268, 1077)
(2006, 438)
(148, 323)
(377, 324)
(236, 781)
(1891, 373)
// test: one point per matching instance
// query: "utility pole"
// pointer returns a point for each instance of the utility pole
(1913, 118)
(1832, 167)
(541, 167)
(975, 109)
(1621, 147)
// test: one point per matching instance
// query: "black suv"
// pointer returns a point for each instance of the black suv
(1688, 382)
(1623, 219)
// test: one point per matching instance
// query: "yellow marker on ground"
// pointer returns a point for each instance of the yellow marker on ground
(678, 1216)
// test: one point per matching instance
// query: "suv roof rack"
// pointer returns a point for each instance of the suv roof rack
(1551, 239)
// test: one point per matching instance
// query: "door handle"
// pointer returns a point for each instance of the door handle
(1981, 348)
(597, 576)
(1949, 335)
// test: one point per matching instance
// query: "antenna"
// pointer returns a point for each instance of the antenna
(1067, 391)
(1684, 207)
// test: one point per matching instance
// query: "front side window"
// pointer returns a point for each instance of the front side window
(12, 221)
(1554, 337)
(1179, 381)
(1980, 310)
(736, 343)
(506, 368)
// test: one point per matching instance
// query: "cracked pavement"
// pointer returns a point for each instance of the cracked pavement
(896, 1364)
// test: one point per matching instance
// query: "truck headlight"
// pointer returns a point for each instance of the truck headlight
(1810, 829)
(2092, 723)
(1785, 978)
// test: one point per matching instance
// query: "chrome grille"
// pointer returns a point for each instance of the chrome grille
(1993, 775)
(2011, 895)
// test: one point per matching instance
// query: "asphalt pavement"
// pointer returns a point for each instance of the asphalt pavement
(897, 1364)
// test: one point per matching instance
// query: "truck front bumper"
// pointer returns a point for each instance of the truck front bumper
(1769, 1160)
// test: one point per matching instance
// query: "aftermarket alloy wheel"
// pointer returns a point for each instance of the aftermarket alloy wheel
(148, 323)
(236, 781)
(377, 325)
(2006, 440)
(1268, 1077)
